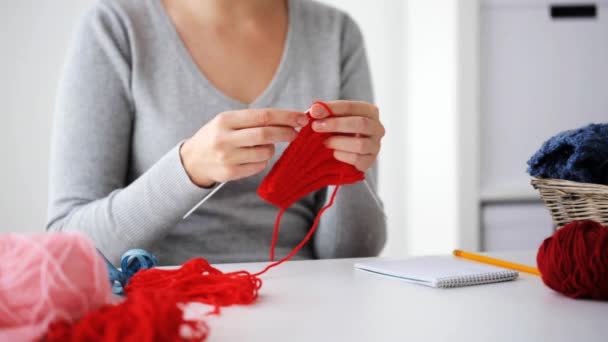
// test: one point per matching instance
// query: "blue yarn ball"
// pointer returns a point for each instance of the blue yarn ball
(131, 262)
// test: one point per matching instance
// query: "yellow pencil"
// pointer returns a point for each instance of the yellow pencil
(496, 262)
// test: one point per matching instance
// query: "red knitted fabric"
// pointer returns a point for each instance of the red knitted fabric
(574, 261)
(307, 165)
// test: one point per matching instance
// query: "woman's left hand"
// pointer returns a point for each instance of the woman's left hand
(357, 128)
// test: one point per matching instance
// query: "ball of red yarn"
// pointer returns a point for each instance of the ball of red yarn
(574, 261)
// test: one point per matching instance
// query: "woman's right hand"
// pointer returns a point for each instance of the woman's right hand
(237, 144)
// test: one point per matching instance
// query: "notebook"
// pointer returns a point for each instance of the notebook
(439, 271)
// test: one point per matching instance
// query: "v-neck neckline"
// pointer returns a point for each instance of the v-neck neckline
(268, 94)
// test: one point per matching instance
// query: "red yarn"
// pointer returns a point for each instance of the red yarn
(144, 316)
(574, 261)
(307, 165)
(152, 310)
(304, 241)
(198, 281)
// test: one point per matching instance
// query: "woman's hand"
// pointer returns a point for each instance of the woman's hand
(358, 127)
(237, 144)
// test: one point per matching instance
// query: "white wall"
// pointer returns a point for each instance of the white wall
(442, 127)
(33, 37)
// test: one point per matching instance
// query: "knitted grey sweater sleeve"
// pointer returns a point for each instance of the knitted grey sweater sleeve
(356, 223)
(91, 146)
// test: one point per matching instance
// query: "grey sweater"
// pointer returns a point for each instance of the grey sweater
(130, 93)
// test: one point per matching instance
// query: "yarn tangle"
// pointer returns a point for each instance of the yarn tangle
(574, 261)
(144, 316)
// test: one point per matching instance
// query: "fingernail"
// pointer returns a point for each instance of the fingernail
(303, 120)
(317, 111)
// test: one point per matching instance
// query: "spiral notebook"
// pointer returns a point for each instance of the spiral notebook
(439, 271)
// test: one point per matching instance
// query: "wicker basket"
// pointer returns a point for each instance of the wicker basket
(569, 201)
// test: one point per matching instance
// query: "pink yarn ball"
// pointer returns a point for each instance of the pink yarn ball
(48, 277)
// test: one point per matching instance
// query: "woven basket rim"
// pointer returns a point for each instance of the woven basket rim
(562, 184)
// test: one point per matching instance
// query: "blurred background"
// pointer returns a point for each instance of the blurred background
(468, 91)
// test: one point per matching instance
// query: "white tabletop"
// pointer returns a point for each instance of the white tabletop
(329, 300)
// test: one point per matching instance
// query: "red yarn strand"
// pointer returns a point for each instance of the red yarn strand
(198, 281)
(275, 233)
(306, 238)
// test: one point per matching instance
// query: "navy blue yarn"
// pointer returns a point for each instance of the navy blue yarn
(579, 155)
(130, 263)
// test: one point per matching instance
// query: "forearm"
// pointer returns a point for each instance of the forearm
(132, 217)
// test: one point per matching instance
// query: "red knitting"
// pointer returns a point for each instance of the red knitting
(307, 165)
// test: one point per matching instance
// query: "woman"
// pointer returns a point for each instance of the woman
(160, 100)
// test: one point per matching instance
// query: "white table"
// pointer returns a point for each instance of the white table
(329, 300)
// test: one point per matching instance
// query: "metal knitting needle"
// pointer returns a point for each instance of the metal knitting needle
(371, 192)
(219, 186)
(375, 197)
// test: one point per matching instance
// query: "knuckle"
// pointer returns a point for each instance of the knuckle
(382, 130)
(361, 145)
(217, 140)
(223, 157)
(377, 148)
(375, 110)
(260, 135)
(268, 152)
(266, 134)
(264, 117)
(349, 107)
(261, 166)
(290, 133)
(216, 144)
(363, 123)
(221, 119)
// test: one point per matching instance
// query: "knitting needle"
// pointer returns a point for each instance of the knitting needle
(374, 196)
(219, 186)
